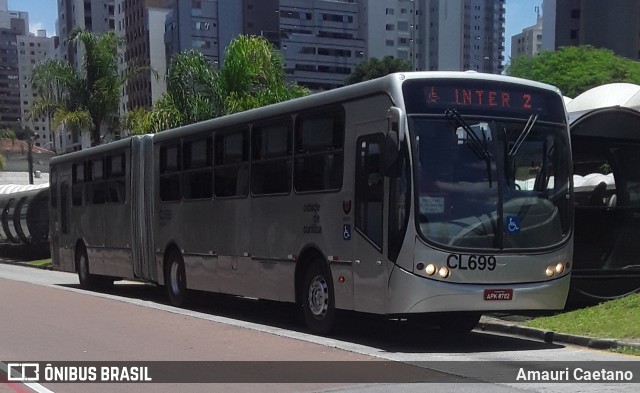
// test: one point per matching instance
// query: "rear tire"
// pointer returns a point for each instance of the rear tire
(175, 279)
(318, 301)
(87, 280)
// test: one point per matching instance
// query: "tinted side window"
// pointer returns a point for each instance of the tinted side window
(170, 172)
(319, 154)
(116, 178)
(271, 158)
(78, 176)
(198, 168)
(97, 187)
(231, 169)
(64, 203)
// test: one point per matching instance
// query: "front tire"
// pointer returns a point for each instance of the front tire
(175, 279)
(318, 301)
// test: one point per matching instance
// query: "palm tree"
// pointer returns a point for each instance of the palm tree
(85, 99)
(251, 76)
(52, 80)
(100, 82)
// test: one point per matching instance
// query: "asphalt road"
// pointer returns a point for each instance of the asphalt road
(45, 317)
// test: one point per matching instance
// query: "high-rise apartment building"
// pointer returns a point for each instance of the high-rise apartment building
(141, 24)
(97, 16)
(529, 41)
(392, 28)
(613, 25)
(203, 25)
(462, 35)
(12, 25)
(32, 50)
(321, 41)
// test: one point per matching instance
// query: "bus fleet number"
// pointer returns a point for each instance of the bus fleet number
(471, 262)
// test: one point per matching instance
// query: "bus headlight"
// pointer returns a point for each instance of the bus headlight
(443, 272)
(550, 271)
(559, 268)
(431, 269)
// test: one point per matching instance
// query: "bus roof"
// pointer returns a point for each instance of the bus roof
(390, 84)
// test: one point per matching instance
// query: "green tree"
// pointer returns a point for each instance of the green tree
(251, 76)
(54, 82)
(6, 133)
(575, 70)
(375, 68)
(84, 99)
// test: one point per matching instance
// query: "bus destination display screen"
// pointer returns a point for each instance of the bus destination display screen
(481, 98)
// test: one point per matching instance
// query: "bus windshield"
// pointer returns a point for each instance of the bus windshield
(491, 182)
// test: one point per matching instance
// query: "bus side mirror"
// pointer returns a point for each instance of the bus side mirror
(392, 141)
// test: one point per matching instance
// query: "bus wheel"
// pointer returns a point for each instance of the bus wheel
(459, 322)
(87, 280)
(318, 302)
(175, 279)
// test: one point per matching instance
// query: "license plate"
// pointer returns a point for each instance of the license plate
(498, 294)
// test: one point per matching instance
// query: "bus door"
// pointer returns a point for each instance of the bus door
(369, 264)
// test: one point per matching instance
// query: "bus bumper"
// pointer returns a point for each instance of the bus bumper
(409, 294)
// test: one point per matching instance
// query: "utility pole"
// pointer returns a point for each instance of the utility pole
(30, 157)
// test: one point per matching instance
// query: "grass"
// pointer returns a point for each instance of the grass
(627, 351)
(41, 262)
(616, 319)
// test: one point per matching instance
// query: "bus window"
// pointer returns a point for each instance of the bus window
(319, 150)
(169, 173)
(97, 192)
(116, 178)
(64, 210)
(78, 184)
(198, 168)
(369, 188)
(271, 158)
(231, 171)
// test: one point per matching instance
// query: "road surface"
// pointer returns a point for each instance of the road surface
(46, 317)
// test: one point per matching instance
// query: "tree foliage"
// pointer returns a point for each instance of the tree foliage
(6, 133)
(575, 70)
(375, 68)
(251, 76)
(86, 99)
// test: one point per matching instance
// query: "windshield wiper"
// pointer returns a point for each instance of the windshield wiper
(479, 148)
(523, 135)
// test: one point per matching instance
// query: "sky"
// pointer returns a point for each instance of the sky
(43, 14)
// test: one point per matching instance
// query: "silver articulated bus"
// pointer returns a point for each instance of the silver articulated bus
(420, 195)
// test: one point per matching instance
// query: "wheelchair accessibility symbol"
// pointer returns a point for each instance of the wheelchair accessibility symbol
(346, 232)
(512, 224)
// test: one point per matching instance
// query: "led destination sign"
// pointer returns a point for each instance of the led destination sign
(481, 98)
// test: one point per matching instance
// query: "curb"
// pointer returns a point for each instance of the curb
(498, 325)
